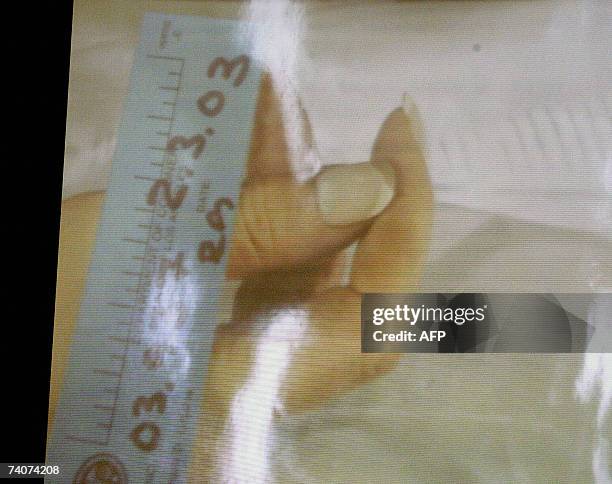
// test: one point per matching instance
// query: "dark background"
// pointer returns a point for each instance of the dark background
(36, 50)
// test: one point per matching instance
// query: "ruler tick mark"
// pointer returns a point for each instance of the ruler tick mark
(121, 305)
(159, 118)
(103, 407)
(129, 341)
(85, 440)
(146, 178)
(112, 373)
(166, 57)
(134, 241)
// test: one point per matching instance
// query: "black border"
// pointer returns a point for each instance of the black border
(36, 87)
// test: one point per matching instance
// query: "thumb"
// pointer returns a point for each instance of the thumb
(282, 222)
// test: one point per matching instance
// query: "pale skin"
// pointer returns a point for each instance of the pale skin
(297, 263)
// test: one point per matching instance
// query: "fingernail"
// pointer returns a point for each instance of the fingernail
(416, 123)
(354, 193)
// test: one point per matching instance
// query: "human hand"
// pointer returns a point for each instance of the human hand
(294, 339)
(294, 336)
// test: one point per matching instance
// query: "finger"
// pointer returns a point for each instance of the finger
(389, 258)
(269, 153)
(391, 255)
(283, 223)
(79, 221)
(328, 360)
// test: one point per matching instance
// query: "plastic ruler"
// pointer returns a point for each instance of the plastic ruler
(129, 404)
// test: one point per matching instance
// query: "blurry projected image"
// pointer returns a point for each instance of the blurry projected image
(346, 241)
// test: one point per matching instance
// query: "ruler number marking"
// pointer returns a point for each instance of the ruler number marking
(172, 201)
(204, 103)
(198, 140)
(228, 66)
(146, 434)
(137, 436)
(211, 251)
(208, 250)
(157, 400)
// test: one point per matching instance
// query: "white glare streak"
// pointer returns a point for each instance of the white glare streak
(597, 375)
(168, 317)
(601, 462)
(275, 31)
(249, 433)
